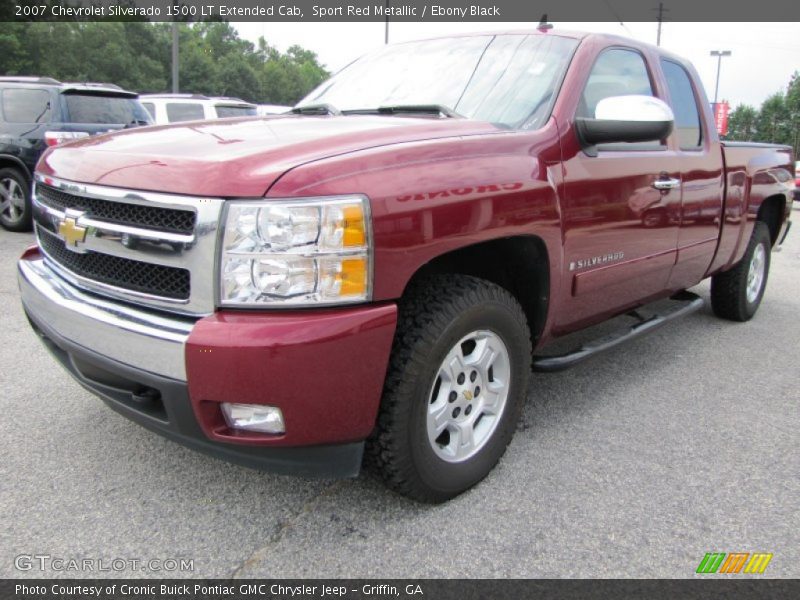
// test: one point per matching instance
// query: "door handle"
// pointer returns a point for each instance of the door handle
(665, 184)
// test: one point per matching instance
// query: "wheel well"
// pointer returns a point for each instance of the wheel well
(519, 264)
(12, 163)
(771, 213)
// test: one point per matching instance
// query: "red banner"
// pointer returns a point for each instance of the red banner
(721, 110)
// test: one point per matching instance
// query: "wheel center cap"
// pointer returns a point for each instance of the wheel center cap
(467, 394)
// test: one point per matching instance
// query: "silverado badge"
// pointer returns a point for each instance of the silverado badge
(594, 261)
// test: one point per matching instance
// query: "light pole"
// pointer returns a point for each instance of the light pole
(386, 35)
(175, 85)
(719, 54)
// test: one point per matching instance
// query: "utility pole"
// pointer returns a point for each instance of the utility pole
(661, 10)
(175, 86)
(719, 54)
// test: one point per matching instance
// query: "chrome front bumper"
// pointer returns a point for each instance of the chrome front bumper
(120, 332)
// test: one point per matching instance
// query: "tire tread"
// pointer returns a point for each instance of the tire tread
(728, 289)
(425, 312)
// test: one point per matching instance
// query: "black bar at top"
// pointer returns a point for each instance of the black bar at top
(521, 11)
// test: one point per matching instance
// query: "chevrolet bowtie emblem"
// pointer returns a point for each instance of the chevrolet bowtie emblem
(72, 233)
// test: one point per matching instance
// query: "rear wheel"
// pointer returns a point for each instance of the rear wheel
(457, 381)
(736, 294)
(15, 206)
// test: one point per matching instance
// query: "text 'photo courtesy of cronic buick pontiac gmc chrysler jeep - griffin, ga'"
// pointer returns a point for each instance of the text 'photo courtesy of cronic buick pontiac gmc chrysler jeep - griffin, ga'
(372, 278)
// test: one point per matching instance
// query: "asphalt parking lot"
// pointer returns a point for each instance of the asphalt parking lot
(634, 464)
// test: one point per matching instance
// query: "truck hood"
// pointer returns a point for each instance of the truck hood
(234, 157)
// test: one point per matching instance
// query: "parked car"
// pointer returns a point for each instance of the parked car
(174, 108)
(37, 112)
(265, 110)
(375, 273)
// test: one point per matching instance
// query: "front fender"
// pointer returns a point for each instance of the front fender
(432, 197)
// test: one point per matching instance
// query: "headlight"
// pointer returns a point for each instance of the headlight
(296, 252)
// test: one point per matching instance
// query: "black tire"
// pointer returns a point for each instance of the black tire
(435, 315)
(15, 219)
(729, 298)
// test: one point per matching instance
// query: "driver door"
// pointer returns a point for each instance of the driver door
(620, 231)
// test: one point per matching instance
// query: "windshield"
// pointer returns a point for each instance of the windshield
(507, 80)
(234, 110)
(105, 109)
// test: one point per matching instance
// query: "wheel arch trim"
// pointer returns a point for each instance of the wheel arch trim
(535, 299)
(16, 162)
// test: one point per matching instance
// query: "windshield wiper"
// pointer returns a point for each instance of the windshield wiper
(431, 109)
(398, 109)
(46, 108)
(317, 109)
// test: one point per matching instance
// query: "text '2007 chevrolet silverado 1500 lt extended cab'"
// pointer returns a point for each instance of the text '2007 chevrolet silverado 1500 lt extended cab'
(374, 275)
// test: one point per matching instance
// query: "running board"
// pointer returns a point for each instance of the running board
(688, 303)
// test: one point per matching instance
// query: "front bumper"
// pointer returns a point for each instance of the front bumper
(324, 369)
(150, 341)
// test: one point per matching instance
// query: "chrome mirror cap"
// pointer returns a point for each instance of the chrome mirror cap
(633, 108)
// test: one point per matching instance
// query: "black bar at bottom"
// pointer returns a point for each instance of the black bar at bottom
(703, 586)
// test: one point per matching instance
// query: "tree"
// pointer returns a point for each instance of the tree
(773, 123)
(742, 123)
(136, 55)
(793, 107)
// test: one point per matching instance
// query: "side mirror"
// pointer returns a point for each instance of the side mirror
(626, 119)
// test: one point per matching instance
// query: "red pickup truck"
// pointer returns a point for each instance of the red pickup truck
(374, 276)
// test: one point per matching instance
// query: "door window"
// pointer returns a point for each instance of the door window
(617, 72)
(684, 105)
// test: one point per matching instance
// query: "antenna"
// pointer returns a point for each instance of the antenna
(617, 17)
(544, 26)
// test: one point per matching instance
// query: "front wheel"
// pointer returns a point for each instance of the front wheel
(736, 294)
(15, 206)
(456, 383)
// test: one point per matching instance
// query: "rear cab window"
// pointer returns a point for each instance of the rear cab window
(234, 110)
(104, 109)
(684, 105)
(185, 111)
(22, 105)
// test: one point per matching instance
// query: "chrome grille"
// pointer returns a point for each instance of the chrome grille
(151, 217)
(152, 249)
(134, 275)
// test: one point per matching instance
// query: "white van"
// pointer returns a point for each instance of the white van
(174, 108)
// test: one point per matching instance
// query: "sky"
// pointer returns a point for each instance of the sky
(764, 55)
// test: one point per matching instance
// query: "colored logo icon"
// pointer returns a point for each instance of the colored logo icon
(720, 562)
